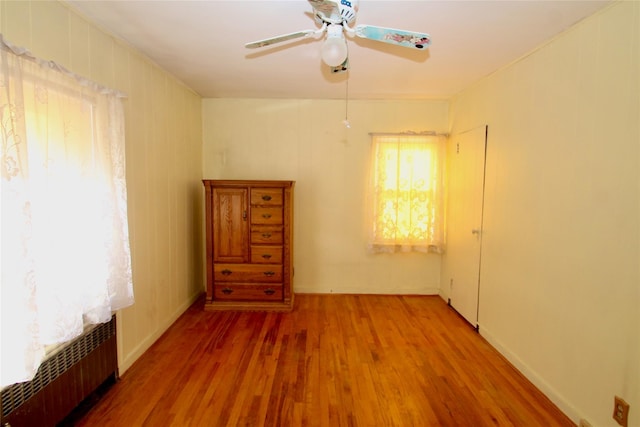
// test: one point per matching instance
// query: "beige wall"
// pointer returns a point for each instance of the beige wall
(163, 143)
(306, 141)
(560, 281)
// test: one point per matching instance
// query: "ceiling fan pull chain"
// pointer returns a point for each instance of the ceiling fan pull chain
(346, 104)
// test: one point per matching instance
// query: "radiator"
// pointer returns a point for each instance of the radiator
(64, 380)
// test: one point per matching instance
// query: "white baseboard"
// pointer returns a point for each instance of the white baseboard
(360, 291)
(125, 362)
(553, 395)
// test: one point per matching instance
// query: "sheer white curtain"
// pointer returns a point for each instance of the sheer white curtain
(65, 244)
(406, 193)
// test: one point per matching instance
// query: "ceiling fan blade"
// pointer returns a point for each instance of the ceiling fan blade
(327, 9)
(281, 38)
(392, 36)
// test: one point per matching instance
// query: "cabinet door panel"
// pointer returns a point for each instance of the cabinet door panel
(230, 225)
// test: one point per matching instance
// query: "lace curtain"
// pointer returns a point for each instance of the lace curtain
(406, 193)
(65, 247)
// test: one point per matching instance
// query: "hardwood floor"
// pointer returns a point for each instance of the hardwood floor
(336, 360)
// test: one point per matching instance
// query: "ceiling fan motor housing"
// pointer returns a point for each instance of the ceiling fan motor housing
(335, 11)
(348, 10)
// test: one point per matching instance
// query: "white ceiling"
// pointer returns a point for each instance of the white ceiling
(202, 43)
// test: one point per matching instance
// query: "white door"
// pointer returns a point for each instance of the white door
(461, 262)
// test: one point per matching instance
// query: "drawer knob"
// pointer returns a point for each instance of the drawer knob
(226, 272)
(266, 216)
(266, 235)
(269, 273)
(269, 291)
(266, 197)
(266, 256)
(227, 291)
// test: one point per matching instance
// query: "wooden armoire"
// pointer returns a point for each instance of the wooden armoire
(249, 237)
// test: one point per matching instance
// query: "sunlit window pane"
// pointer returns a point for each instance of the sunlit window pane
(64, 208)
(407, 191)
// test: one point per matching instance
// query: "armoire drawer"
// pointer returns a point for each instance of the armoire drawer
(271, 273)
(266, 254)
(266, 196)
(266, 235)
(267, 216)
(248, 292)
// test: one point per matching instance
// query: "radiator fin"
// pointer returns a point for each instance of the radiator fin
(16, 395)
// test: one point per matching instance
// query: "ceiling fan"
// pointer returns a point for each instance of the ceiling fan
(334, 17)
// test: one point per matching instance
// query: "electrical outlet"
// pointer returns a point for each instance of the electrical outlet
(620, 411)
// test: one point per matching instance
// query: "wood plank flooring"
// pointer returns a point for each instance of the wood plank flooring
(336, 360)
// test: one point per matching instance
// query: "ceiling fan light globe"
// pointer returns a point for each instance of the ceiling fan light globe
(334, 51)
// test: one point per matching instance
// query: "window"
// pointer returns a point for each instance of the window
(65, 255)
(406, 193)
